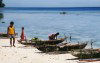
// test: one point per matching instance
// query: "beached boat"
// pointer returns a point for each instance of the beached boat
(87, 53)
(72, 46)
(4, 35)
(64, 47)
(42, 42)
(49, 42)
(26, 42)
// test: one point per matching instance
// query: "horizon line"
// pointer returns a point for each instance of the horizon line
(53, 7)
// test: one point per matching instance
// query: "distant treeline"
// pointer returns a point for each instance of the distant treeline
(1, 3)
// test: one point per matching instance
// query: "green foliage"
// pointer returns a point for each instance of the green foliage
(1, 15)
(1, 4)
(35, 38)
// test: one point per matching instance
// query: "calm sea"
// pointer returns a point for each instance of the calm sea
(82, 23)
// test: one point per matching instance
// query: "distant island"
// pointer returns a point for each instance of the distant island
(1, 3)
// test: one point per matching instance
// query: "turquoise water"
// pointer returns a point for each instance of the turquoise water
(82, 25)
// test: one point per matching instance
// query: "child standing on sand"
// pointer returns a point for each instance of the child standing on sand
(11, 33)
(23, 37)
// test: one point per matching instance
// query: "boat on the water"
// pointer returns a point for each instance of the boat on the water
(42, 42)
(65, 47)
(62, 12)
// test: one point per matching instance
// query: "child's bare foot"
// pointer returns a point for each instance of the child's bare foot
(10, 45)
(14, 45)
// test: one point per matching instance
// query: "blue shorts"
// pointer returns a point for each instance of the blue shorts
(11, 36)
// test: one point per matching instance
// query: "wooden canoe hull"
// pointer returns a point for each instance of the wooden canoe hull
(25, 42)
(87, 53)
(42, 42)
(4, 35)
(74, 46)
(51, 42)
(51, 48)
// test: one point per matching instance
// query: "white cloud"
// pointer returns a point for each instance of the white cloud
(52, 3)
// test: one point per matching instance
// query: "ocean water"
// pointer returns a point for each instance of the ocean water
(83, 24)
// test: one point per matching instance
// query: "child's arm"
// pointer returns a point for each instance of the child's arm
(14, 30)
(56, 37)
(8, 31)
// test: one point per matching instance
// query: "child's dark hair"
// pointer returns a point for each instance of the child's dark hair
(11, 22)
(22, 27)
(57, 33)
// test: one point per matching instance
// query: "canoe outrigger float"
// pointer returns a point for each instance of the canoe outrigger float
(65, 47)
(42, 42)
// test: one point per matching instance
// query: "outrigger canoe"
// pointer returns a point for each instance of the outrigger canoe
(87, 53)
(4, 35)
(42, 42)
(65, 47)
(72, 46)
(48, 42)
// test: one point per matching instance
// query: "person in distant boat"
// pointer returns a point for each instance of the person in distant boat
(23, 37)
(53, 36)
(62, 12)
(11, 33)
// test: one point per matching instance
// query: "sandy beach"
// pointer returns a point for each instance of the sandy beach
(22, 54)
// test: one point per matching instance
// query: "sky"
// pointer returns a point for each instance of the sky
(52, 3)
